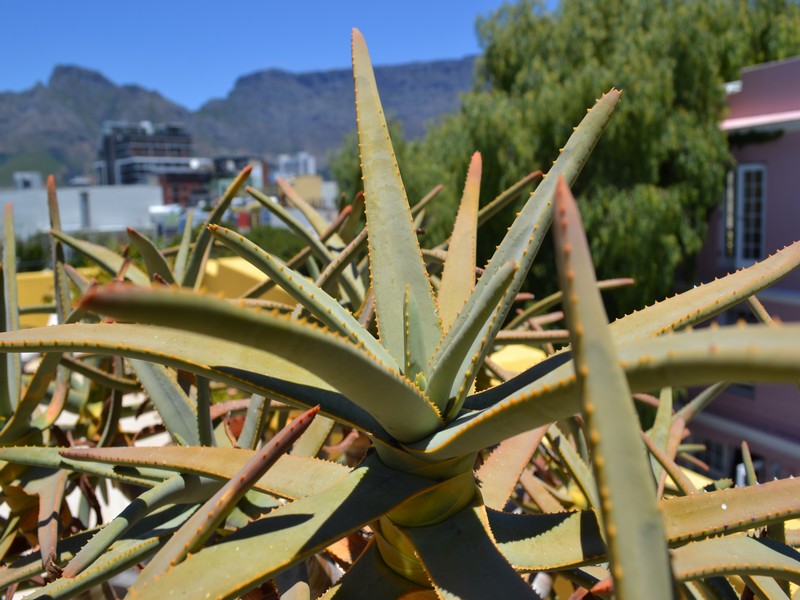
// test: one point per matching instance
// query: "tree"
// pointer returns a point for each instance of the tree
(659, 169)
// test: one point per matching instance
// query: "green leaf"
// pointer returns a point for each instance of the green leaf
(704, 301)
(526, 234)
(140, 542)
(395, 257)
(370, 573)
(181, 258)
(539, 542)
(736, 556)
(548, 392)
(311, 442)
(501, 470)
(205, 427)
(106, 259)
(351, 227)
(201, 525)
(458, 275)
(234, 364)
(291, 532)
(50, 489)
(254, 423)
(179, 489)
(291, 477)
(449, 384)
(315, 300)
(58, 262)
(19, 424)
(400, 408)
(463, 561)
(176, 410)
(506, 197)
(640, 564)
(12, 367)
(198, 253)
(153, 259)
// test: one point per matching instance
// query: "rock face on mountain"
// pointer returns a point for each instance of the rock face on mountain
(55, 128)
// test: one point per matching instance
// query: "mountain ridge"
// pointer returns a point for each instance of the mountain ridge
(55, 127)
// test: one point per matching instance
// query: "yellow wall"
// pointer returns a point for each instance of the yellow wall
(230, 277)
(309, 188)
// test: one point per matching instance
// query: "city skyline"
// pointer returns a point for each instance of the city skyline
(194, 53)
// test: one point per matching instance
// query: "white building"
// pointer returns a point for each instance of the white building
(85, 209)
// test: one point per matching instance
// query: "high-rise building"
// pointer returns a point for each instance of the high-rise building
(147, 153)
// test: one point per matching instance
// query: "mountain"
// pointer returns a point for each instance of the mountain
(55, 128)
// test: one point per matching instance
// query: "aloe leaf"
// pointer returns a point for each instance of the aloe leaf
(370, 573)
(310, 443)
(752, 353)
(60, 280)
(202, 524)
(140, 542)
(526, 234)
(537, 542)
(50, 489)
(708, 299)
(198, 254)
(659, 433)
(291, 477)
(106, 259)
(462, 559)
(500, 472)
(317, 221)
(351, 226)
(298, 259)
(77, 278)
(407, 415)
(100, 376)
(320, 225)
(174, 407)
(700, 402)
(112, 411)
(540, 493)
(153, 259)
(352, 288)
(546, 303)
(254, 423)
(579, 471)
(331, 273)
(293, 531)
(12, 366)
(394, 253)
(19, 423)
(49, 458)
(192, 352)
(736, 556)
(448, 381)
(181, 258)
(458, 275)
(422, 203)
(183, 489)
(205, 428)
(317, 301)
(684, 484)
(765, 588)
(318, 248)
(506, 197)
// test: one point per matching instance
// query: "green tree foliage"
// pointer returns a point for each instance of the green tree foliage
(659, 169)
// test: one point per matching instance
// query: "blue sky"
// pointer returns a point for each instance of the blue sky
(194, 51)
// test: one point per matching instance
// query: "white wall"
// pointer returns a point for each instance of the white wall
(111, 208)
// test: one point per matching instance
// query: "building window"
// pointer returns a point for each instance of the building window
(745, 201)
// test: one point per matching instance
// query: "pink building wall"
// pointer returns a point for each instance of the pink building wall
(764, 129)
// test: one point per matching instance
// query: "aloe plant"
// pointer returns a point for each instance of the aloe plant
(466, 491)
